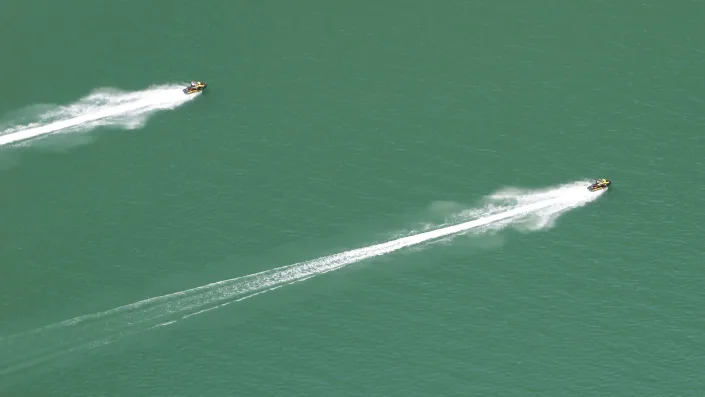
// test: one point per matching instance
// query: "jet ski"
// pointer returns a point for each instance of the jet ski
(599, 185)
(196, 86)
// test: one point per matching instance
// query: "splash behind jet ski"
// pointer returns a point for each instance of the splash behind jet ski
(600, 184)
(196, 86)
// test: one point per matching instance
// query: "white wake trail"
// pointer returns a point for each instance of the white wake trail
(104, 107)
(533, 210)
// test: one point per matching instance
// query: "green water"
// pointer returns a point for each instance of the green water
(327, 127)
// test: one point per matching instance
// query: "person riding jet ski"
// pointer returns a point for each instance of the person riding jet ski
(196, 86)
(600, 184)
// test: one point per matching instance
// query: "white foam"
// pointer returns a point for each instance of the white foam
(503, 210)
(104, 107)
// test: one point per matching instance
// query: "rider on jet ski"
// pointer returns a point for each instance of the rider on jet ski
(196, 86)
(600, 184)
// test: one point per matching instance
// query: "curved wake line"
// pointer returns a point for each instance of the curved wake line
(102, 107)
(536, 210)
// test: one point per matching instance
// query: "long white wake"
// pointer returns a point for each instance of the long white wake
(103, 107)
(533, 210)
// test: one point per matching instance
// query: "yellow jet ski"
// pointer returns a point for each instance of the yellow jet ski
(600, 184)
(196, 86)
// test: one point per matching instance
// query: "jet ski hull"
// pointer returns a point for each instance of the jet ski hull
(599, 186)
(192, 90)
